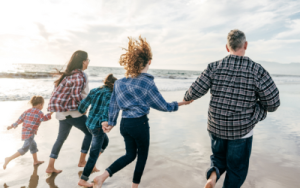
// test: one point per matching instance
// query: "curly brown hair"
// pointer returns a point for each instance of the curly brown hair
(136, 57)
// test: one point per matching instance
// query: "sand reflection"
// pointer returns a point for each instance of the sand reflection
(51, 180)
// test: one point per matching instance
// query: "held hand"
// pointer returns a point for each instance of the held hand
(85, 112)
(185, 102)
(51, 113)
(106, 128)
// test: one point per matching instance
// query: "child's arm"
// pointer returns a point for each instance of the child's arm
(157, 101)
(114, 110)
(20, 120)
(85, 103)
(43, 117)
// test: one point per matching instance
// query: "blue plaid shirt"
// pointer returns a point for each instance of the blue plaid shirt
(135, 96)
(99, 99)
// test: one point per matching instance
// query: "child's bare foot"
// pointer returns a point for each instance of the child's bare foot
(53, 170)
(38, 162)
(84, 183)
(96, 169)
(6, 162)
(98, 181)
(82, 164)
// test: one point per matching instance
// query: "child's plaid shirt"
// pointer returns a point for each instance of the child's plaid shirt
(31, 120)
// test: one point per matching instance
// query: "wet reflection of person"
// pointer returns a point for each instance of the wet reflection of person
(34, 179)
(51, 180)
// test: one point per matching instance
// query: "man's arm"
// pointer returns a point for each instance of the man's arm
(268, 93)
(200, 87)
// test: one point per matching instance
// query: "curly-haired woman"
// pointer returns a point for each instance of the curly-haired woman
(134, 95)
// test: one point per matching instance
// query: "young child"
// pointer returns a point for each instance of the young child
(134, 95)
(31, 119)
(99, 98)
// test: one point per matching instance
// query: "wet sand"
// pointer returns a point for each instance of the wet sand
(179, 151)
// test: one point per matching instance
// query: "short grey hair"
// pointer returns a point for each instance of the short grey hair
(236, 39)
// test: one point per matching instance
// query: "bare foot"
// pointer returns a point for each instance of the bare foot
(6, 162)
(82, 164)
(96, 169)
(98, 181)
(53, 170)
(38, 162)
(84, 183)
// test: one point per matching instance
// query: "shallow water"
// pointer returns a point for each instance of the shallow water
(179, 151)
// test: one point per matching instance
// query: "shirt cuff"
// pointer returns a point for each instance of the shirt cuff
(112, 123)
(186, 98)
(14, 125)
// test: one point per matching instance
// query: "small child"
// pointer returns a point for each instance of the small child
(99, 98)
(31, 119)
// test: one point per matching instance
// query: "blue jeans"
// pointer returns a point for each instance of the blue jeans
(99, 143)
(29, 144)
(231, 156)
(137, 140)
(63, 133)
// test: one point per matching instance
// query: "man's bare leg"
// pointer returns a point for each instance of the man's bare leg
(99, 180)
(211, 182)
(82, 161)
(35, 160)
(50, 168)
(8, 159)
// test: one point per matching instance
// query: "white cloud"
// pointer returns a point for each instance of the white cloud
(183, 34)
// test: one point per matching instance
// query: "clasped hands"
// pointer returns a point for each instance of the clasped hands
(105, 127)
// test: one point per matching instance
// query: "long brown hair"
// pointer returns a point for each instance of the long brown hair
(109, 81)
(76, 62)
(35, 100)
(136, 57)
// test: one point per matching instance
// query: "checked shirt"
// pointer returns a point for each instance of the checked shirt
(135, 96)
(242, 92)
(67, 95)
(99, 99)
(31, 120)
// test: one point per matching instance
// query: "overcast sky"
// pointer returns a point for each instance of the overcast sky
(183, 34)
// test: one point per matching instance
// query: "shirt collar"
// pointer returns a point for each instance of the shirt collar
(147, 75)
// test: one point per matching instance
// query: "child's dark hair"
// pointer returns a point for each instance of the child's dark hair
(36, 100)
(109, 81)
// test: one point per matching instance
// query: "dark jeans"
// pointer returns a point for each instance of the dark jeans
(99, 143)
(63, 133)
(137, 139)
(231, 156)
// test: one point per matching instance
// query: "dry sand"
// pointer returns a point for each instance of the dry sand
(179, 151)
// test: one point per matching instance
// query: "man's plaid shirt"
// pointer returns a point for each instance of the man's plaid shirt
(67, 95)
(135, 96)
(31, 120)
(242, 92)
(99, 99)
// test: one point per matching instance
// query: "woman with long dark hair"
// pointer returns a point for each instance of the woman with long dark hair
(70, 89)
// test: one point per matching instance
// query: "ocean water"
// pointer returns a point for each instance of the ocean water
(21, 81)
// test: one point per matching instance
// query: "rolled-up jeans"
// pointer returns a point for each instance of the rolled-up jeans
(137, 140)
(29, 144)
(63, 133)
(99, 144)
(231, 156)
